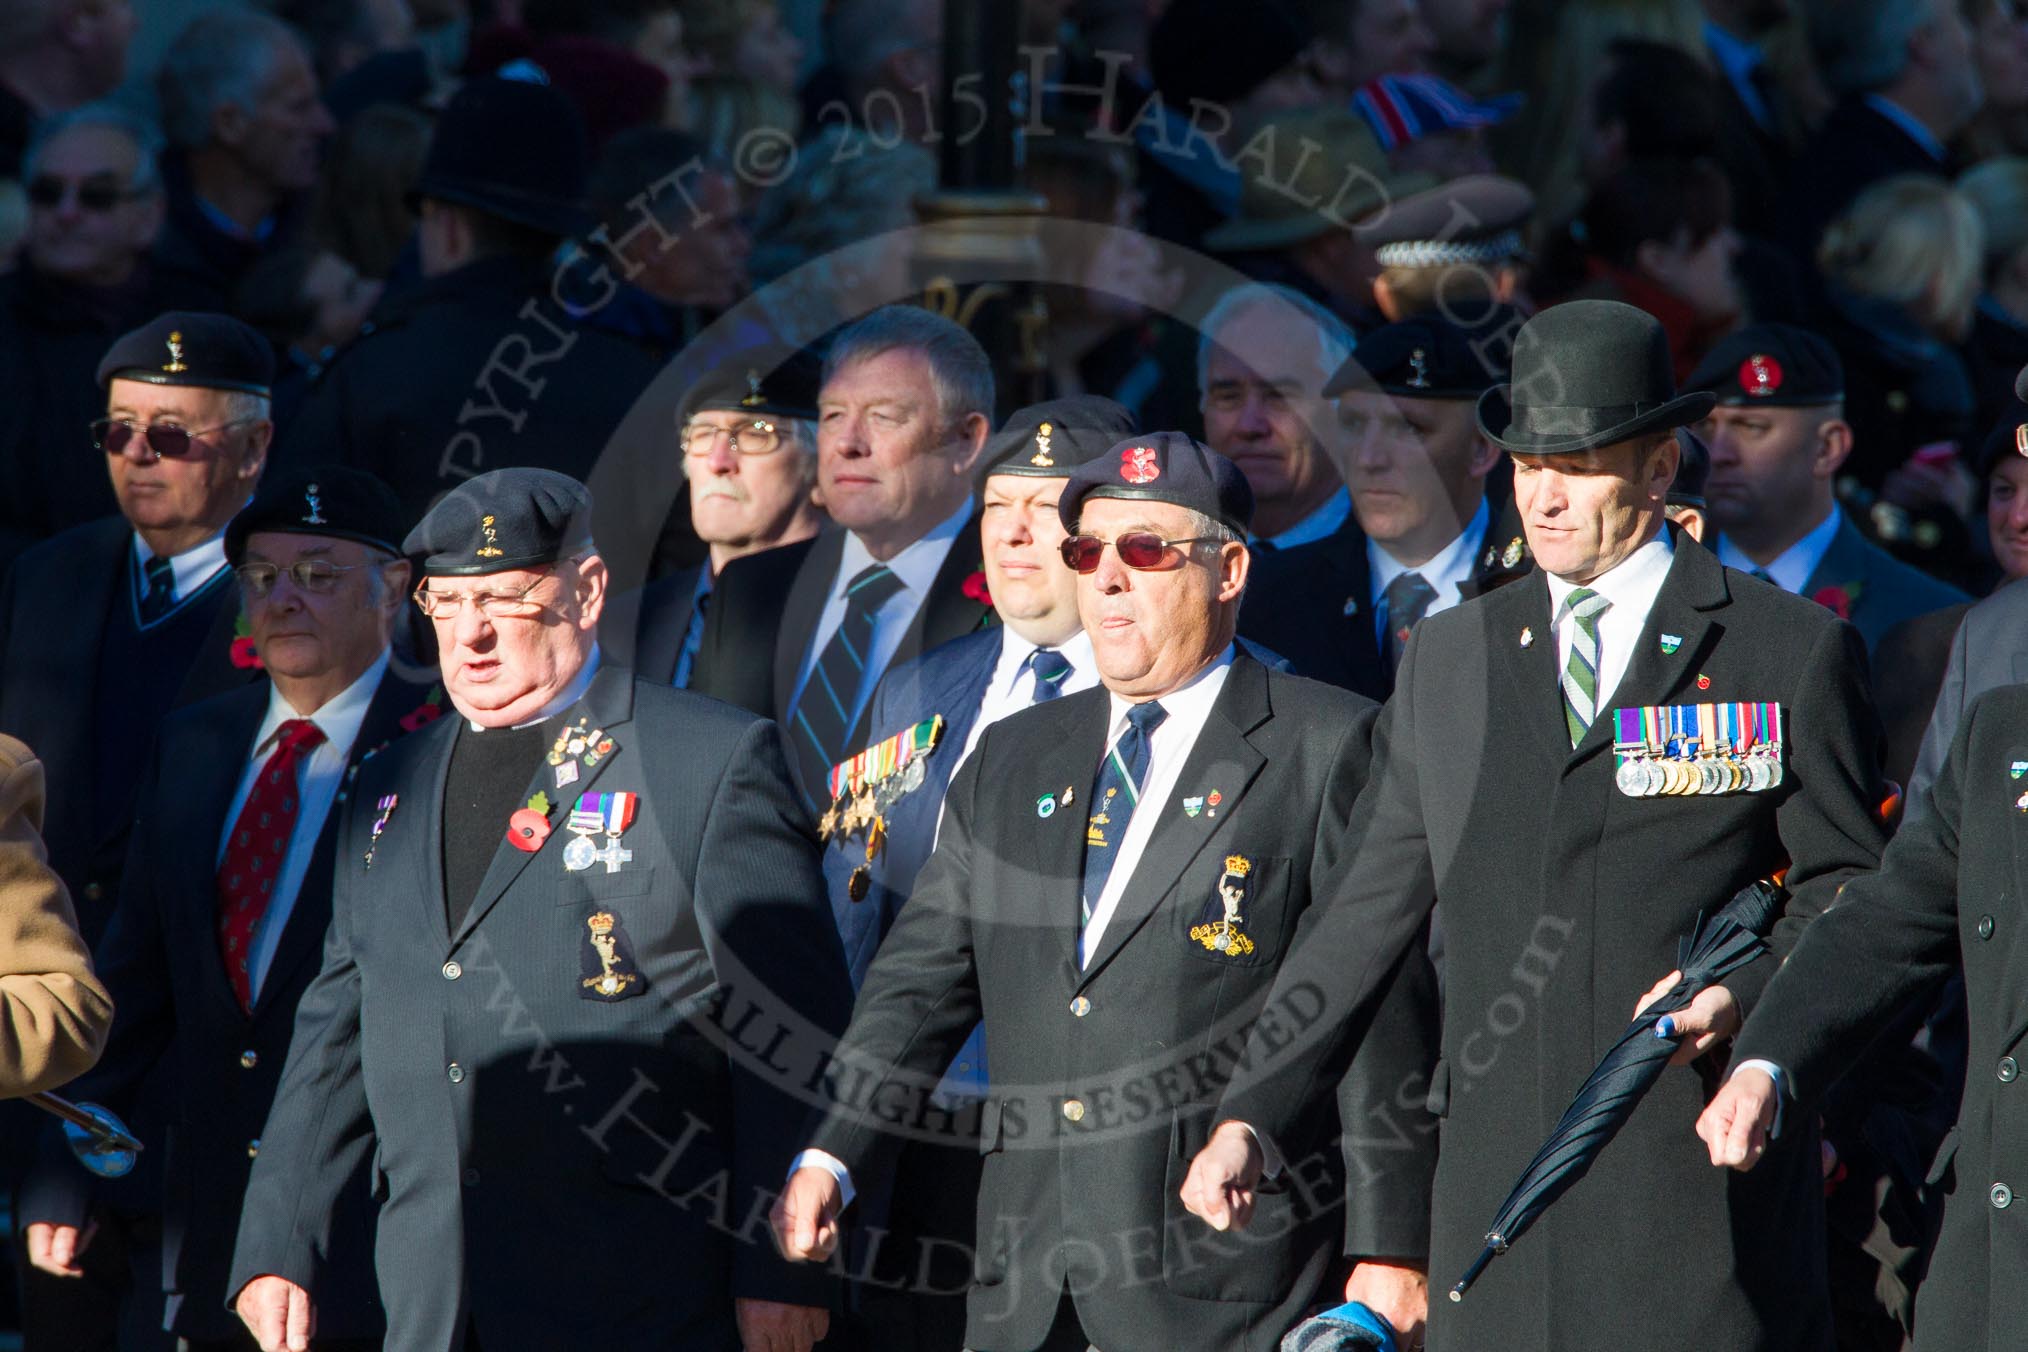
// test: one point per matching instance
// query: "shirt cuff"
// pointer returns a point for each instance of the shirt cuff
(1270, 1157)
(1781, 1084)
(830, 1164)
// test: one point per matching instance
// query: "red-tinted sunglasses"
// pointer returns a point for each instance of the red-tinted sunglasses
(166, 440)
(1141, 550)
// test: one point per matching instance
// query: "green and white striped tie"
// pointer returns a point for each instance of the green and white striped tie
(1580, 670)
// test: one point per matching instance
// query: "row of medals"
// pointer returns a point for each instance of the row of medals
(1727, 772)
(866, 810)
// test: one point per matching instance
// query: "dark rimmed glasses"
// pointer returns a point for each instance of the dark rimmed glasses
(168, 441)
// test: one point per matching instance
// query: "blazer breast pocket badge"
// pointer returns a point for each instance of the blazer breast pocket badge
(606, 964)
(1680, 750)
(1221, 929)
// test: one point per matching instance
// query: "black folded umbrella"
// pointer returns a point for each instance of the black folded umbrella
(1719, 945)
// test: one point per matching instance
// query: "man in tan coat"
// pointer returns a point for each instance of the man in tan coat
(53, 1012)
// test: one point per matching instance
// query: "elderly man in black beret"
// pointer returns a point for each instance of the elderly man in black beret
(748, 440)
(1118, 876)
(1423, 534)
(1778, 437)
(228, 897)
(579, 957)
(1520, 770)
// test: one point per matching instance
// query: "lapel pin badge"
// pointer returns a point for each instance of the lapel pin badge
(2017, 769)
(1211, 802)
(1069, 795)
(529, 826)
(385, 809)
(2021, 803)
(1703, 681)
(1670, 643)
(1351, 605)
(1527, 637)
(1193, 806)
(1045, 806)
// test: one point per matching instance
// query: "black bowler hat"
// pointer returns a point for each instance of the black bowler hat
(1162, 467)
(1429, 357)
(345, 504)
(1050, 439)
(1774, 364)
(1587, 373)
(512, 149)
(1693, 470)
(191, 347)
(772, 382)
(508, 519)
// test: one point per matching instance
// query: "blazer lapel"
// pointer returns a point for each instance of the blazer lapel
(1844, 561)
(1222, 758)
(608, 704)
(1056, 844)
(1523, 641)
(801, 611)
(947, 613)
(213, 781)
(1695, 585)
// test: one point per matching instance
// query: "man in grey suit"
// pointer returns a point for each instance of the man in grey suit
(1119, 874)
(562, 996)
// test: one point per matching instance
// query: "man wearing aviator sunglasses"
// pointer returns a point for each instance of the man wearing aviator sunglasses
(1158, 843)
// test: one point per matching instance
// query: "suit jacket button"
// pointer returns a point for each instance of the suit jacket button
(1073, 1110)
(253, 1148)
(2009, 1068)
(249, 1058)
(1985, 927)
(452, 971)
(2003, 1196)
(471, 1177)
(93, 891)
(1080, 1006)
(455, 1073)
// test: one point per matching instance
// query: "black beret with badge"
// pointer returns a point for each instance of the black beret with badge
(1429, 357)
(192, 348)
(771, 382)
(333, 500)
(1778, 365)
(501, 521)
(1162, 467)
(1050, 439)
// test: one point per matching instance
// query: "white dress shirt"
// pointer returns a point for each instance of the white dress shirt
(319, 775)
(1168, 747)
(1797, 564)
(1447, 571)
(1317, 524)
(189, 571)
(1632, 587)
(917, 567)
(1012, 688)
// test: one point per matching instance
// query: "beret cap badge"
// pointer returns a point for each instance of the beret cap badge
(491, 549)
(315, 506)
(1042, 458)
(175, 365)
(754, 397)
(1760, 375)
(1419, 360)
(1139, 465)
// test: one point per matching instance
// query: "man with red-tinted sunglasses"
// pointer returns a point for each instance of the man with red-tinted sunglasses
(1118, 875)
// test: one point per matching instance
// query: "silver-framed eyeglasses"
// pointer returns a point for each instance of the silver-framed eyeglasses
(758, 437)
(318, 577)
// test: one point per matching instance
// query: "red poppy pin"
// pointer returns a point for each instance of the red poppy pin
(427, 712)
(1139, 465)
(974, 588)
(1838, 600)
(244, 655)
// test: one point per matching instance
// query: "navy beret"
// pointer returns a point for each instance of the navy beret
(1775, 364)
(190, 347)
(346, 504)
(773, 382)
(508, 519)
(1430, 357)
(1162, 467)
(1052, 438)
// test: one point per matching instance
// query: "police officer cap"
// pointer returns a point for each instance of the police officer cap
(775, 382)
(1429, 357)
(1693, 470)
(1162, 467)
(190, 347)
(345, 504)
(508, 519)
(1052, 438)
(1774, 364)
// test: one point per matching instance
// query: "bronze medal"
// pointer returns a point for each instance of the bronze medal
(857, 885)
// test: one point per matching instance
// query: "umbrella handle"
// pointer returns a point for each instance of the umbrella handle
(1473, 1272)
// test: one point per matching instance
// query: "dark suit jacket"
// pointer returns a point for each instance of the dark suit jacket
(764, 613)
(53, 612)
(556, 1169)
(1563, 901)
(1990, 649)
(646, 625)
(1139, 1039)
(1884, 591)
(1313, 604)
(1854, 148)
(1947, 897)
(176, 1007)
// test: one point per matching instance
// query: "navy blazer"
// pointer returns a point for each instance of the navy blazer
(1880, 590)
(644, 628)
(176, 1012)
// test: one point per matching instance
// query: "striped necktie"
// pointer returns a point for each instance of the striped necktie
(158, 597)
(1580, 669)
(823, 714)
(1051, 669)
(1114, 795)
(1407, 599)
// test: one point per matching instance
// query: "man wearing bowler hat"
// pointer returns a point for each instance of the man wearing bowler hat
(579, 961)
(1579, 764)
(221, 924)
(1118, 875)
(481, 366)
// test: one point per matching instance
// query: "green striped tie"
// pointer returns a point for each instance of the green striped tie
(1580, 670)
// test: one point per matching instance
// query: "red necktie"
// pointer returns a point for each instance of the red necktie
(253, 857)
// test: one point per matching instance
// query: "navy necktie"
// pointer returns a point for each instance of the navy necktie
(1051, 669)
(1114, 795)
(1407, 599)
(158, 597)
(823, 714)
